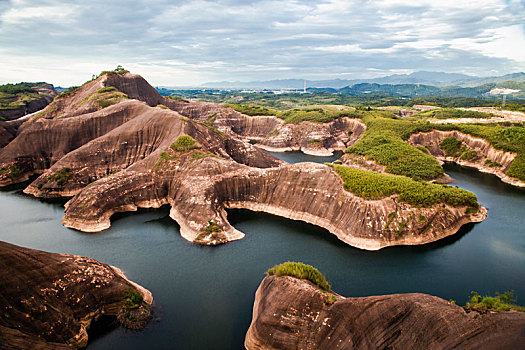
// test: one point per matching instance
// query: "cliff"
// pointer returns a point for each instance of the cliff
(125, 156)
(484, 157)
(289, 313)
(49, 300)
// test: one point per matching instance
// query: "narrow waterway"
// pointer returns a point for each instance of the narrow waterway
(204, 295)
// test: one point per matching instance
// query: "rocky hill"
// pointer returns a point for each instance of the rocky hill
(291, 313)
(17, 100)
(114, 144)
(49, 300)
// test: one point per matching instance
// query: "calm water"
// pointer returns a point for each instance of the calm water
(204, 295)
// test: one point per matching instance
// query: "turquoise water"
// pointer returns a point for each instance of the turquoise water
(204, 295)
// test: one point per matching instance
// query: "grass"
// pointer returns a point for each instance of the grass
(499, 303)
(161, 106)
(106, 89)
(68, 92)
(302, 271)
(372, 185)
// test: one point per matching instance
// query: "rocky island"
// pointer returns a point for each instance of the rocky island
(50, 300)
(114, 144)
(303, 313)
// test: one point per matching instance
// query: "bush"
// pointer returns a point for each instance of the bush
(132, 299)
(318, 115)
(251, 110)
(62, 176)
(184, 143)
(383, 142)
(451, 146)
(499, 303)
(302, 271)
(106, 99)
(372, 185)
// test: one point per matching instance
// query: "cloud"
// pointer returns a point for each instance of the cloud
(189, 42)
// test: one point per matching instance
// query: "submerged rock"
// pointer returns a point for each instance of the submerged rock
(49, 300)
(290, 313)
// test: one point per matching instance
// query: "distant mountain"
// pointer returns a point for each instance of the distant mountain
(517, 77)
(438, 79)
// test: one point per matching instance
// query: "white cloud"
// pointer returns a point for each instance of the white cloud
(197, 40)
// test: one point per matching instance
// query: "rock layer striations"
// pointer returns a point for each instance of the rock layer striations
(289, 313)
(49, 300)
(124, 156)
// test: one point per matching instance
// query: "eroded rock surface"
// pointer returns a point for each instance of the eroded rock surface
(289, 313)
(48, 300)
(121, 157)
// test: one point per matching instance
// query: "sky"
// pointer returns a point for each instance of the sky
(183, 43)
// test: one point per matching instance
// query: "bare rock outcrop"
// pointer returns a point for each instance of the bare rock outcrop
(289, 313)
(49, 300)
(486, 158)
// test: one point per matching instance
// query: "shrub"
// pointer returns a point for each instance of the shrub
(451, 146)
(106, 89)
(184, 143)
(252, 110)
(162, 106)
(62, 176)
(492, 164)
(132, 299)
(302, 271)
(499, 303)
(372, 185)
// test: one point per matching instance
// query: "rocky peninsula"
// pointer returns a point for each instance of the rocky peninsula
(292, 313)
(50, 300)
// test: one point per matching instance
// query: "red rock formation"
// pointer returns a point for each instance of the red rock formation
(48, 300)
(119, 158)
(289, 313)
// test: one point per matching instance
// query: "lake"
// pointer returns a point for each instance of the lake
(204, 295)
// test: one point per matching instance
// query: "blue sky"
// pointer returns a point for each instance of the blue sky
(190, 42)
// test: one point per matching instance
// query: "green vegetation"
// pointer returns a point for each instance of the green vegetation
(184, 143)
(164, 156)
(106, 89)
(302, 271)
(317, 114)
(499, 303)
(451, 113)
(468, 154)
(391, 216)
(211, 228)
(252, 110)
(162, 106)
(492, 164)
(68, 92)
(108, 97)
(510, 139)
(13, 171)
(132, 299)
(62, 176)
(14, 96)
(384, 142)
(200, 155)
(372, 185)
(451, 146)
(119, 70)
